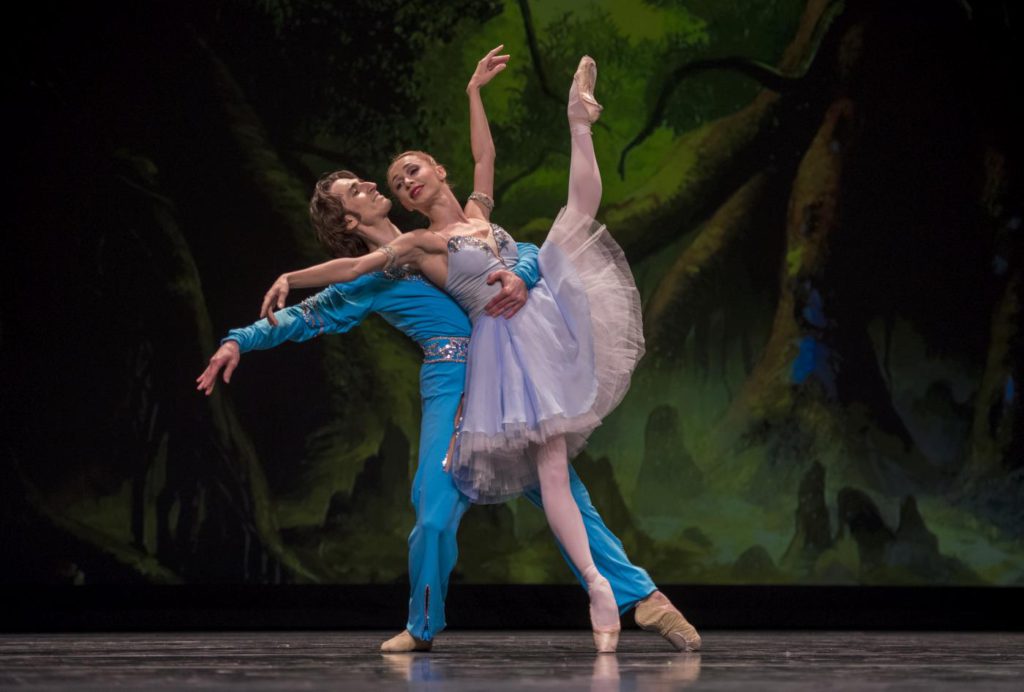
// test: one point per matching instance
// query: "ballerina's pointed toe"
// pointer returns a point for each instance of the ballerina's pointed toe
(583, 108)
(604, 616)
(605, 642)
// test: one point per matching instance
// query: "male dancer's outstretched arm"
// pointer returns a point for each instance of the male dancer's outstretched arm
(342, 307)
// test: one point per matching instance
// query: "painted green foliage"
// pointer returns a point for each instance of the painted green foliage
(805, 413)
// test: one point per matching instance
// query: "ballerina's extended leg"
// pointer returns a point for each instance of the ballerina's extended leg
(583, 110)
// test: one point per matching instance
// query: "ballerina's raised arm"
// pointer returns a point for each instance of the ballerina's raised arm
(481, 202)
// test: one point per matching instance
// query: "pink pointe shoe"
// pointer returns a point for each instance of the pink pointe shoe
(604, 614)
(583, 109)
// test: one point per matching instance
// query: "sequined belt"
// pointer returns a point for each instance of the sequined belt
(445, 349)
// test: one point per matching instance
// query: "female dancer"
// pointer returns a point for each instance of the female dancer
(539, 383)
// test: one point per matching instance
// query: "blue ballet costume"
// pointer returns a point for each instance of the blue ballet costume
(432, 319)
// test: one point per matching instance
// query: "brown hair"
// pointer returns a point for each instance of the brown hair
(327, 213)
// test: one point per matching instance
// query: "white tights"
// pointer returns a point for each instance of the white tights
(563, 515)
(560, 508)
(584, 175)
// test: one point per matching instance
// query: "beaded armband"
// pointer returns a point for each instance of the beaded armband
(483, 200)
(390, 253)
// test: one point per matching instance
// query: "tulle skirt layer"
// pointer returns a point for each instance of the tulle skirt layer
(557, 368)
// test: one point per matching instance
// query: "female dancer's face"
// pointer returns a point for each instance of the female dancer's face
(415, 181)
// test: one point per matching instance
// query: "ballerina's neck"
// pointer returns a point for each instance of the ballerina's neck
(445, 211)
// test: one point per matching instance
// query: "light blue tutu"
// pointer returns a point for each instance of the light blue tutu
(558, 367)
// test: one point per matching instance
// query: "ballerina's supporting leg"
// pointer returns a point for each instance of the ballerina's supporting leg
(563, 515)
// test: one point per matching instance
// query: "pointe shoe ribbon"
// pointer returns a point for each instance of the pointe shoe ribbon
(657, 614)
(403, 643)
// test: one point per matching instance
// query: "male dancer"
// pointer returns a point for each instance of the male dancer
(345, 211)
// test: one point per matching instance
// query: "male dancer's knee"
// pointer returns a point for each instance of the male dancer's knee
(432, 525)
(438, 517)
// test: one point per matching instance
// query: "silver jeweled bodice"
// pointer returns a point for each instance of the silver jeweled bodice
(470, 261)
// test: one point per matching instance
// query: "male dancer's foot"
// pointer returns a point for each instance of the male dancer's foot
(403, 643)
(657, 614)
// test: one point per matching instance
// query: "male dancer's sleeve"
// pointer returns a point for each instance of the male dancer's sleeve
(526, 267)
(334, 310)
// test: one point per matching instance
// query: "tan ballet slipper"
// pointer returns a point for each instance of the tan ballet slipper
(657, 614)
(403, 643)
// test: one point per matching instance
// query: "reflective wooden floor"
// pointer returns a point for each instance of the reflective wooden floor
(516, 660)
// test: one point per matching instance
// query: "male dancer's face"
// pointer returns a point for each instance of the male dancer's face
(363, 204)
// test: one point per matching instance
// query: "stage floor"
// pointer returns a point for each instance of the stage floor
(513, 660)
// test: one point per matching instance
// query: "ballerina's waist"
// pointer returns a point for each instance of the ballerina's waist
(445, 349)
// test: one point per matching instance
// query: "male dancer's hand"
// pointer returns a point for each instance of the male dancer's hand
(277, 294)
(226, 358)
(510, 298)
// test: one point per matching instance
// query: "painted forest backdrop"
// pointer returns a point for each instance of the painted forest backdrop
(820, 199)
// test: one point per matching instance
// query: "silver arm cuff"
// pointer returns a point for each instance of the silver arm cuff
(391, 255)
(483, 200)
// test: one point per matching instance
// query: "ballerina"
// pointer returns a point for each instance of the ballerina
(537, 384)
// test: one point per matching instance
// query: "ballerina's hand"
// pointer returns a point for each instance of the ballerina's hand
(226, 358)
(489, 66)
(275, 296)
(512, 296)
